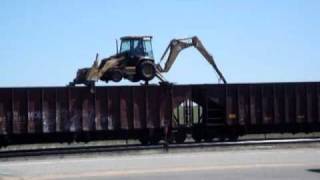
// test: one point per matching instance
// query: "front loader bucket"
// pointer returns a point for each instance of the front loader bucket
(87, 76)
(80, 77)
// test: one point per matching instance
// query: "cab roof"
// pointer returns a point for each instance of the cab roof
(136, 37)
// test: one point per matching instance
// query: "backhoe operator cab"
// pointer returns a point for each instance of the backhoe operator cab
(134, 62)
(137, 46)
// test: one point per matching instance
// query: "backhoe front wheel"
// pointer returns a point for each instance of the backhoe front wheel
(147, 70)
(116, 75)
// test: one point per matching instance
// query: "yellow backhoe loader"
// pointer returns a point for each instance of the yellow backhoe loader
(135, 61)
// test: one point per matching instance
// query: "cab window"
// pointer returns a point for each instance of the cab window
(138, 47)
(148, 48)
(125, 46)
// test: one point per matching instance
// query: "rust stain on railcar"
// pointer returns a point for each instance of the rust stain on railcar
(278, 98)
(20, 111)
(5, 111)
(243, 104)
(232, 105)
(49, 123)
(63, 122)
(3, 119)
(255, 104)
(34, 104)
(113, 108)
(88, 110)
(126, 108)
(101, 107)
(152, 107)
(311, 90)
(290, 103)
(75, 109)
(301, 103)
(318, 104)
(165, 106)
(139, 107)
(267, 104)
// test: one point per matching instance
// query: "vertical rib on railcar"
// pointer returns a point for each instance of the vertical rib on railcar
(88, 110)
(152, 107)
(34, 111)
(126, 108)
(49, 110)
(19, 111)
(5, 111)
(101, 109)
(139, 106)
(267, 104)
(113, 108)
(63, 122)
(311, 97)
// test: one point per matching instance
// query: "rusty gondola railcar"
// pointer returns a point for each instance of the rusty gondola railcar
(151, 113)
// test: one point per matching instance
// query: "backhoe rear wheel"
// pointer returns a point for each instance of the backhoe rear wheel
(147, 70)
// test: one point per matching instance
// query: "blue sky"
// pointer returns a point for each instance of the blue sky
(43, 42)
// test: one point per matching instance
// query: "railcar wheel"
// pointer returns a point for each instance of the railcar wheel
(196, 137)
(208, 139)
(3, 142)
(221, 138)
(180, 137)
(197, 133)
(155, 137)
(86, 137)
(69, 140)
(143, 140)
(233, 137)
(155, 140)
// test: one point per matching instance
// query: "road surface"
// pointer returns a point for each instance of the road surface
(270, 163)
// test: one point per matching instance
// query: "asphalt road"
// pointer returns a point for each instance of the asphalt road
(270, 163)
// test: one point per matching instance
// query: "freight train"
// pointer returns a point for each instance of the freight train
(157, 112)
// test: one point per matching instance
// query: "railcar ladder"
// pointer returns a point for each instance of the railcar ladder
(214, 113)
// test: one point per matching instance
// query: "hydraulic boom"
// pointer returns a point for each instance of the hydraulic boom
(177, 45)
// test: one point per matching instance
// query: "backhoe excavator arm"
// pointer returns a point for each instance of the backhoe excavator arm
(174, 48)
